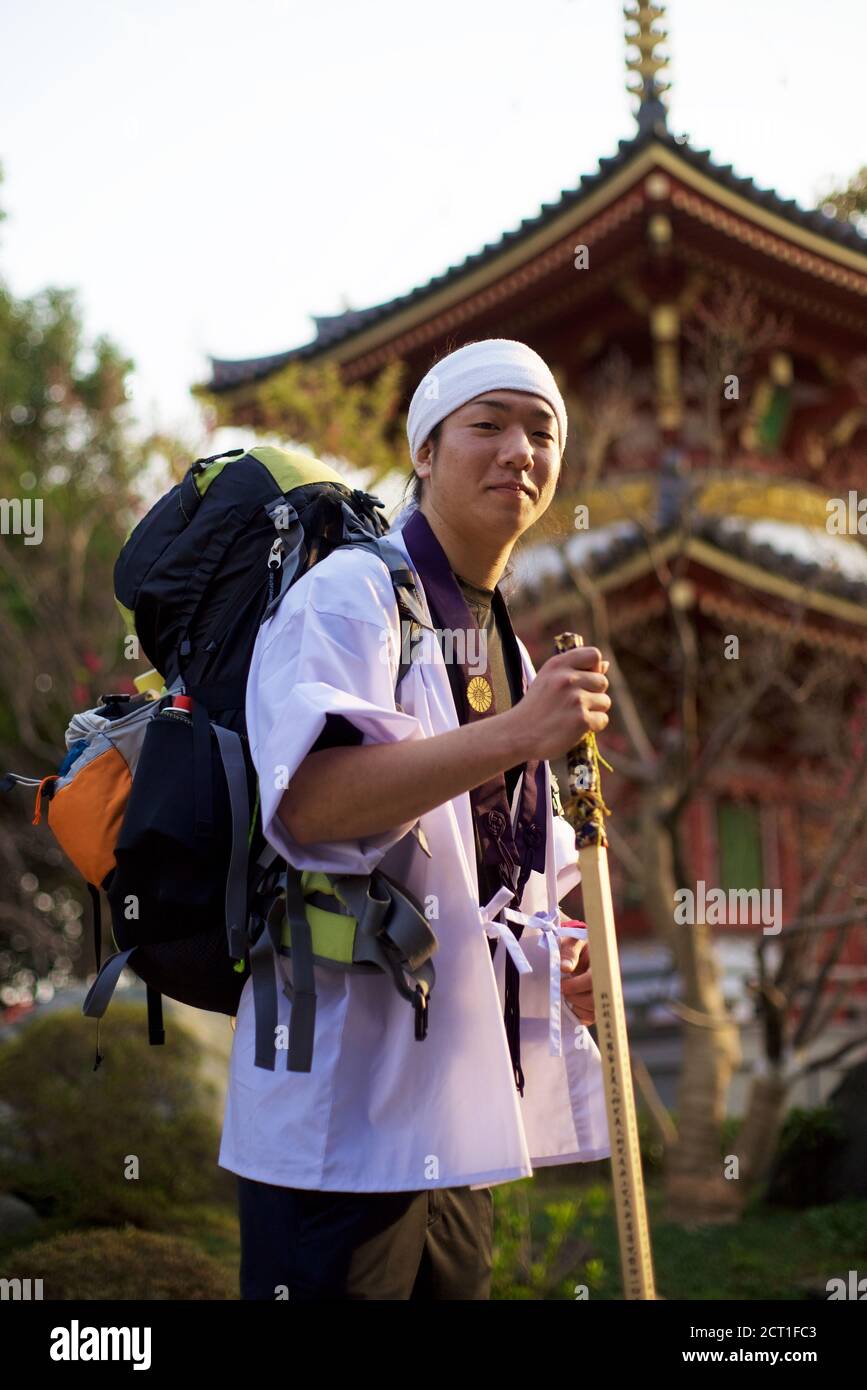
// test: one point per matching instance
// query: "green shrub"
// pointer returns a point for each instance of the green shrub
(124, 1264)
(542, 1245)
(808, 1141)
(806, 1131)
(68, 1133)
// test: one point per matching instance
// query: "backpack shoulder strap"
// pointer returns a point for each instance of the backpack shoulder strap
(409, 606)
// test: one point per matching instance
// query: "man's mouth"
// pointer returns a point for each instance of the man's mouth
(511, 487)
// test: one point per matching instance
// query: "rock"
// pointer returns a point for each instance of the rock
(16, 1217)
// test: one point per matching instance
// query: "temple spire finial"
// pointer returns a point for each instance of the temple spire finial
(651, 110)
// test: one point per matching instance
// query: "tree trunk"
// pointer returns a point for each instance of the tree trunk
(697, 1190)
(757, 1139)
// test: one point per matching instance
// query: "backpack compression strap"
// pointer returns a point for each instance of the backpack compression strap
(266, 954)
(232, 755)
(401, 948)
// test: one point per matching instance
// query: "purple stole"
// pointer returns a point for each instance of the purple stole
(507, 857)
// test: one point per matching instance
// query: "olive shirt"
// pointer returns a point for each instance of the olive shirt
(480, 601)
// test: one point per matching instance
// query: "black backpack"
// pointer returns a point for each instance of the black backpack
(197, 895)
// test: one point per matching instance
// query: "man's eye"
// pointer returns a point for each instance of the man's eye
(481, 424)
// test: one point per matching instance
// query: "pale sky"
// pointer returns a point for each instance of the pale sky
(208, 175)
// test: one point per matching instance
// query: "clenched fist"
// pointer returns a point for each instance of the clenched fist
(566, 700)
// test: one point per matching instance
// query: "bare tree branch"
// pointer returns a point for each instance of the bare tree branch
(846, 828)
(656, 1109)
(803, 1030)
(802, 925)
(727, 736)
(824, 1018)
(831, 1057)
(621, 694)
(627, 856)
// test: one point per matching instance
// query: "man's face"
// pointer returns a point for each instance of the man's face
(496, 464)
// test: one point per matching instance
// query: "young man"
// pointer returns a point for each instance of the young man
(370, 1176)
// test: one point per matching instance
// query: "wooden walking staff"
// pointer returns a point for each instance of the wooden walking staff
(584, 811)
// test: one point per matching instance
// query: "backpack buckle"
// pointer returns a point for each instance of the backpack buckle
(200, 465)
(421, 1004)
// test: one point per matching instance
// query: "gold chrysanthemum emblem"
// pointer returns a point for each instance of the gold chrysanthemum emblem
(480, 694)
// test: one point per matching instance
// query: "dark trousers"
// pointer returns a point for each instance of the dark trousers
(301, 1244)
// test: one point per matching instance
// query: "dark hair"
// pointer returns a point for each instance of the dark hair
(414, 484)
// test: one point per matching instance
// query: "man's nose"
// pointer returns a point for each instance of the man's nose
(515, 448)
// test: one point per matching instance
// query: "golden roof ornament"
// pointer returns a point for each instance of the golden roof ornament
(646, 67)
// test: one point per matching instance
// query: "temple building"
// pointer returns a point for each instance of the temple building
(710, 340)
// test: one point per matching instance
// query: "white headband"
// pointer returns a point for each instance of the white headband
(494, 364)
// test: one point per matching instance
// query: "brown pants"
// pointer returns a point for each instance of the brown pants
(305, 1245)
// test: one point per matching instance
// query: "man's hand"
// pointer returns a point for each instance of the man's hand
(576, 982)
(567, 699)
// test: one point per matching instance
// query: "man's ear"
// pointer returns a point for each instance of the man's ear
(423, 460)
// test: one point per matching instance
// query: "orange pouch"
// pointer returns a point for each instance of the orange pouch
(88, 803)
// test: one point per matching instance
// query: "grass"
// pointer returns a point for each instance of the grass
(214, 1229)
(772, 1253)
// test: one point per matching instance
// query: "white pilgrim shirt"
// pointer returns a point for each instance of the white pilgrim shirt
(382, 1111)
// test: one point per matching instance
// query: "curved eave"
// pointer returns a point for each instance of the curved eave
(619, 554)
(348, 335)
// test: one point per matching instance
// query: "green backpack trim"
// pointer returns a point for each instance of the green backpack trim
(383, 927)
(290, 469)
(333, 933)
